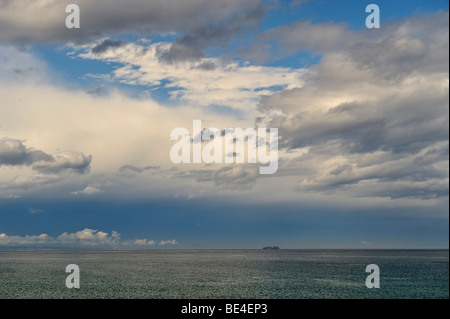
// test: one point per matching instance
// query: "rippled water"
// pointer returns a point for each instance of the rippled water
(226, 274)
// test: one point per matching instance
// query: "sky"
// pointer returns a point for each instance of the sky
(86, 116)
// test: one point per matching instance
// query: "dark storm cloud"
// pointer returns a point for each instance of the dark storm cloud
(179, 53)
(15, 153)
(189, 47)
(44, 22)
(396, 124)
(107, 44)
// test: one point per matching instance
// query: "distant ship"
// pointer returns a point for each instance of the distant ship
(271, 248)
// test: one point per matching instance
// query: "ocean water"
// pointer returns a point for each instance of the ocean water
(213, 274)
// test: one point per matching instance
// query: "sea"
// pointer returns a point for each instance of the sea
(225, 274)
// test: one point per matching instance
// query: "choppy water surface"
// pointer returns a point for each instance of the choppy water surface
(226, 274)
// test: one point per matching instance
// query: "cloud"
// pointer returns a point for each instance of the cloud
(415, 45)
(15, 153)
(206, 66)
(105, 45)
(369, 120)
(25, 240)
(178, 52)
(142, 242)
(73, 161)
(189, 47)
(24, 182)
(230, 176)
(300, 37)
(89, 237)
(10, 196)
(23, 72)
(35, 211)
(97, 91)
(86, 237)
(145, 242)
(374, 122)
(89, 190)
(135, 169)
(19, 66)
(168, 242)
(307, 36)
(191, 78)
(115, 129)
(103, 17)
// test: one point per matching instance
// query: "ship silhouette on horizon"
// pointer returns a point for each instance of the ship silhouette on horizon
(271, 248)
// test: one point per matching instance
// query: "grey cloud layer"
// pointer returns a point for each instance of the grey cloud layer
(376, 113)
(24, 22)
(228, 177)
(106, 44)
(15, 153)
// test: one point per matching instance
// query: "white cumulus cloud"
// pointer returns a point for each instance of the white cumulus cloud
(83, 238)
(89, 190)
